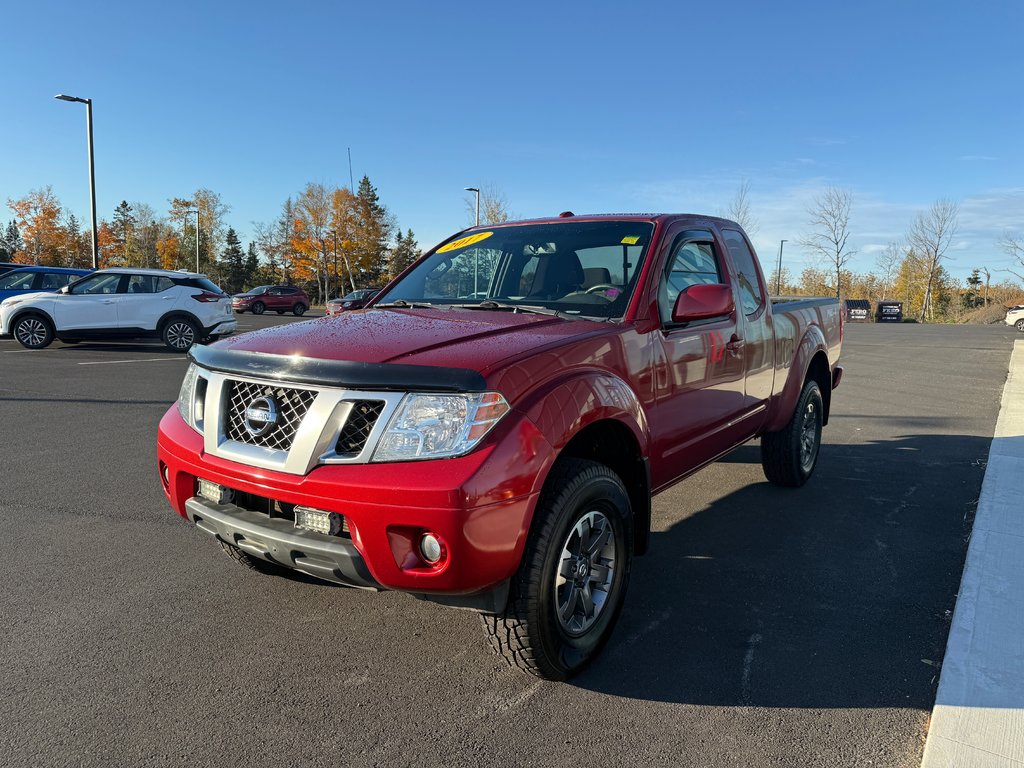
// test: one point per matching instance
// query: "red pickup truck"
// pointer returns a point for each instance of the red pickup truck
(489, 433)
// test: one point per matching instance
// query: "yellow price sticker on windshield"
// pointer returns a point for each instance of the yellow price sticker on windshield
(464, 242)
(631, 240)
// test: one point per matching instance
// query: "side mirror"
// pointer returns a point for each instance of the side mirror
(700, 302)
(64, 289)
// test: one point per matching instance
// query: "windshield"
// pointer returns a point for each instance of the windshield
(257, 291)
(586, 268)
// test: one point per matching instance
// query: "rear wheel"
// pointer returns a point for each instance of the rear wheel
(569, 589)
(33, 331)
(179, 334)
(789, 456)
(299, 310)
(258, 307)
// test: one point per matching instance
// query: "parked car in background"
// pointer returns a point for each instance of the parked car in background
(179, 308)
(355, 300)
(889, 312)
(32, 279)
(1015, 317)
(280, 298)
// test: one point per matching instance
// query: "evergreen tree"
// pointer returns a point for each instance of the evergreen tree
(124, 230)
(233, 262)
(372, 233)
(405, 252)
(251, 267)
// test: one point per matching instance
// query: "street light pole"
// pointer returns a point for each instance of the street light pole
(92, 173)
(476, 253)
(778, 275)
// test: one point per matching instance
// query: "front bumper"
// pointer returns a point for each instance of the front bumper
(278, 541)
(480, 505)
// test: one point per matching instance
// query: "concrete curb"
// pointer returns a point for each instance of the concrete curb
(978, 719)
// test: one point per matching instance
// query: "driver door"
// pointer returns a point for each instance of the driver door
(89, 303)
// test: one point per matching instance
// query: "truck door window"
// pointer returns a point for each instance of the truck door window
(746, 271)
(691, 263)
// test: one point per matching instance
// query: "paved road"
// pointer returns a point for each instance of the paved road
(767, 627)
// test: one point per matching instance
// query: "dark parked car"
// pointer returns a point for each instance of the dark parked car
(34, 279)
(355, 300)
(7, 266)
(280, 298)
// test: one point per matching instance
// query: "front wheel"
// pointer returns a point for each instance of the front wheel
(258, 307)
(33, 331)
(789, 456)
(1020, 324)
(299, 310)
(569, 590)
(179, 334)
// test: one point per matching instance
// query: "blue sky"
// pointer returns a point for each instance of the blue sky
(593, 107)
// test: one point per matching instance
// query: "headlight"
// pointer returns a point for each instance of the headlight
(190, 400)
(439, 426)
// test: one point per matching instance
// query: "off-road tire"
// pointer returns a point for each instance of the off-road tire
(529, 633)
(790, 455)
(299, 309)
(33, 331)
(179, 334)
(258, 308)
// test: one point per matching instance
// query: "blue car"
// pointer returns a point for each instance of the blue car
(33, 279)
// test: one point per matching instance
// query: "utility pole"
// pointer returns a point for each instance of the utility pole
(92, 173)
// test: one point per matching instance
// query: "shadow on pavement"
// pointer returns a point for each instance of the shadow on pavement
(838, 594)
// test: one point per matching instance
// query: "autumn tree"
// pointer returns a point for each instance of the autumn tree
(930, 236)
(312, 236)
(888, 264)
(168, 248)
(37, 215)
(830, 231)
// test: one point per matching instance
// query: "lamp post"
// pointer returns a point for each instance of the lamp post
(92, 173)
(778, 275)
(196, 212)
(476, 253)
(344, 257)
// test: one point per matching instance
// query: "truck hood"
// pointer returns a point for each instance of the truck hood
(452, 338)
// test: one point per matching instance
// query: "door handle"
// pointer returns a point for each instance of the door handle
(735, 345)
(167, 298)
(108, 301)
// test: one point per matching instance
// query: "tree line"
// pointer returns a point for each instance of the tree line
(912, 270)
(328, 240)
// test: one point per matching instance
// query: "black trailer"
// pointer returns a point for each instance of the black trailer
(857, 311)
(889, 312)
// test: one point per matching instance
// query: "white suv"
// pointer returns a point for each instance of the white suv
(179, 308)
(1015, 317)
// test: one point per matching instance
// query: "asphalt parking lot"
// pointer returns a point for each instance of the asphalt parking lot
(766, 626)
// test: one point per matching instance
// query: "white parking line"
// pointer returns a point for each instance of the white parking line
(142, 360)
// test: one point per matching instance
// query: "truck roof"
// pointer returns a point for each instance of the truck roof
(652, 217)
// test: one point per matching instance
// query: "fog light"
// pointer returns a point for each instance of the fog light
(430, 548)
(165, 475)
(218, 494)
(319, 520)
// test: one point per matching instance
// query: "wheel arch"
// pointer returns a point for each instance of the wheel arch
(596, 415)
(175, 314)
(809, 361)
(16, 316)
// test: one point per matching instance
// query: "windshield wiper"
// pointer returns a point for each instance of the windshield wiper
(403, 304)
(492, 305)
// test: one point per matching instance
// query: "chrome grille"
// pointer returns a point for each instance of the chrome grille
(292, 405)
(361, 420)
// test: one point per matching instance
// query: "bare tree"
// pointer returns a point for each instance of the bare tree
(493, 206)
(739, 209)
(930, 236)
(1014, 247)
(889, 264)
(830, 230)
